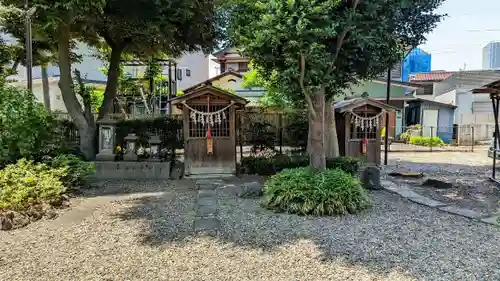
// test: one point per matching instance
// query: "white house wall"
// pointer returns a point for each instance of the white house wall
(448, 97)
(463, 112)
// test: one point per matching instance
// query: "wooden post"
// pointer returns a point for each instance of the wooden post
(432, 135)
(281, 132)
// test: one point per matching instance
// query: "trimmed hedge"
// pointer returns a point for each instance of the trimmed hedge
(266, 166)
(305, 192)
(426, 141)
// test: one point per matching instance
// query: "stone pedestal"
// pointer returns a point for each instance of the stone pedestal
(107, 140)
(130, 154)
(155, 147)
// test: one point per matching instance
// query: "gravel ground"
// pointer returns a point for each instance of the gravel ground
(149, 236)
(467, 171)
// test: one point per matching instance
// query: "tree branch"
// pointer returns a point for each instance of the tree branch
(340, 39)
(301, 83)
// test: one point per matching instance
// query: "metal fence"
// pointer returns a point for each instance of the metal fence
(439, 138)
(285, 132)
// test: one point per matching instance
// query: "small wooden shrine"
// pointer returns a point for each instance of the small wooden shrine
(359, 126)
(209, 129)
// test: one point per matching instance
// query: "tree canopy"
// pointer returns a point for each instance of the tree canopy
(139, 27)
(317, 48)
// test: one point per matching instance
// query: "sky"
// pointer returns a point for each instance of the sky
(457, 41)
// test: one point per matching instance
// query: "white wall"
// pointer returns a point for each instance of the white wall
(56, 101)
(463, 112)
(448, 97)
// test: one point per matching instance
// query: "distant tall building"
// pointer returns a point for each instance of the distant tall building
(416, 61)
(491, 56)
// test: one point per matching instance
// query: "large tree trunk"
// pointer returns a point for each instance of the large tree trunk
(45, 86)
(331, 139)
(317, 128)
(86, 129)
(112, 83)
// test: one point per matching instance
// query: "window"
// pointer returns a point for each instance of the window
(58, 97)
(369, 130)
(243, 66)
(199, 130)
(179, 74)
(188, 73)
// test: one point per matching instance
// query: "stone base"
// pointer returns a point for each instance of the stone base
(106, 156)
(130, 157)
(132, 170)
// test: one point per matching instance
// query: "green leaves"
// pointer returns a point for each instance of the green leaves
(25, 183)
(25, 127)
(305, 192)
(341, 43)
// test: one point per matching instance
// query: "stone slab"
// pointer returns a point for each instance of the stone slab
(461, 212)
(492, 220)
(209, 225)
(389, 185)
(206, 186)
(417, 198)
(207, 201)
(206, 210)
(406, 192)
(206, 193)
(123, 170)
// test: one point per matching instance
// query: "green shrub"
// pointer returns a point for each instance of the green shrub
(78, 171)
(258, 165)
(347, 164)
(26, 183)
(265, 166)
(25, 126)
(426, 141)
(305, 192)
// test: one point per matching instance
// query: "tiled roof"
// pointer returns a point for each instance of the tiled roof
(430, 76)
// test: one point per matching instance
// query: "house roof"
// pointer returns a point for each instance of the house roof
(475, 78)
(226, 50)
(350, 104)
(209, 81)
(442, 104)
(490, 88)
(399, 83)
(209, 89)
(430, 76)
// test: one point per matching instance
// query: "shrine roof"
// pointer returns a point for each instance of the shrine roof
(350, 104)
(209, 89)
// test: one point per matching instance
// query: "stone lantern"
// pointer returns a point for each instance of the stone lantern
(155, 146)
(106, 135)
(130, 154)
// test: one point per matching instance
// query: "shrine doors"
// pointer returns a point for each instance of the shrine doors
(202, 121)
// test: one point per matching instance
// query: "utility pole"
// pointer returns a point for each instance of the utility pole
(29, 48)
(387, 100)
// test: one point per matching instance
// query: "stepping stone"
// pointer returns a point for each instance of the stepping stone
(208, 182)
(207, 201)
(461, 212)
(417, 198)
(492, 220)
(206, 193)
(406, 192)
(390, 186)
(406, 174)
(206, 211)
(207, 187)
(206, 225)
(437, 184)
